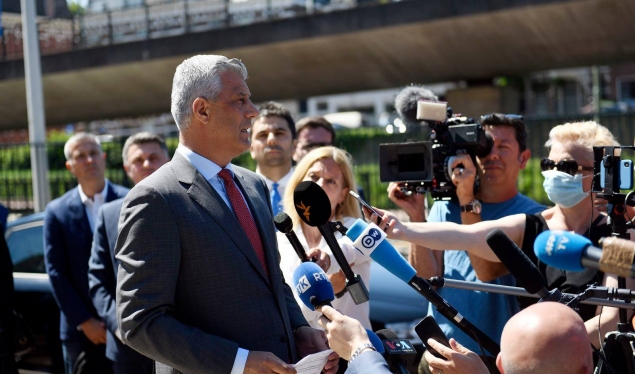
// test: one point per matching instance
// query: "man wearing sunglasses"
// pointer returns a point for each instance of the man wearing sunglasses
(497, 197)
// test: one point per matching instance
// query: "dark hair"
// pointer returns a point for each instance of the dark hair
(316, 123)
(143, 138)
(511, 120)
(274, 109)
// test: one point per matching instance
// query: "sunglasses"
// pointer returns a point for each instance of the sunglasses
(570, 167)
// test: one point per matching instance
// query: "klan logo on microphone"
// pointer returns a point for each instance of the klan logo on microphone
(305, 210)
(303, 284)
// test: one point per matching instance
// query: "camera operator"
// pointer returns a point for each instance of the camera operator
(497, 197)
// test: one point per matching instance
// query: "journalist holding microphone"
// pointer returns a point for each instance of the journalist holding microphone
(331, 168)
(568, 175)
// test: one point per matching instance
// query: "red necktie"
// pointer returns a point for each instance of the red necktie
(244, 216)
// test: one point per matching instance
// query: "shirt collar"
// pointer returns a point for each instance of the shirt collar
(98, 196)
(206, 167)
(282, 182)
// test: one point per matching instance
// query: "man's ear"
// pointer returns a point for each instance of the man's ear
(127, 169)
(524, 157)
(199, 109)
(69, 167)
(499, 363)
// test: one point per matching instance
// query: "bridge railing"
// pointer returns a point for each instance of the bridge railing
(157, 20)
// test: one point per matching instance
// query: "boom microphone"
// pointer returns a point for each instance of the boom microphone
(573, 252)
(399, 353)
(284, 224)
(369, 240)
(314, 208)
(521, 267)
(312, 285)
(407, 100)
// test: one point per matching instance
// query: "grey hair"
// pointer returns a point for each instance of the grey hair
(77, 137)
(142, 138)
(199, 76)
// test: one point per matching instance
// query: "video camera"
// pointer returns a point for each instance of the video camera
(426, 165)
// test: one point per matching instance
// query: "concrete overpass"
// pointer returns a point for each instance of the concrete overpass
(368, 47)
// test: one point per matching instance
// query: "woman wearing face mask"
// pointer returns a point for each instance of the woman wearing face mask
(568, 173)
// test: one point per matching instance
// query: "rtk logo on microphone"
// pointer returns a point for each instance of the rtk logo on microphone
(303, 285)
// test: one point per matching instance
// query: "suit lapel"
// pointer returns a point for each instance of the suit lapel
(78, 212)
(204, 195)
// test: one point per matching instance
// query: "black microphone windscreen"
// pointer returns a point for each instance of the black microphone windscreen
(283, 222)
(312, 203)
(406, 102)
(521, 267)
(386, 334)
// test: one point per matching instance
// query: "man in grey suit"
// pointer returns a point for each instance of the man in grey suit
(199, 286)
(143, 153)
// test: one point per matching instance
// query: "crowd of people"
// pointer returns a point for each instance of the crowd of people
(186, 273)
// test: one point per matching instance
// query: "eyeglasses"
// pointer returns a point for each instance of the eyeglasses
(570, 167)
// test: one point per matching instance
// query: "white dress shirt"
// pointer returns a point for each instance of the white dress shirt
(92, 205)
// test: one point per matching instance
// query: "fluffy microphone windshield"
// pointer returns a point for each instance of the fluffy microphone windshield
(312, 203)
(406, 102)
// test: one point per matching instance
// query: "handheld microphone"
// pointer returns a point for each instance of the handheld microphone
(399, 353)
(573, 252)
(312, 285)
(521, 267)
(314, 208)
(369, 240)
(284, 224)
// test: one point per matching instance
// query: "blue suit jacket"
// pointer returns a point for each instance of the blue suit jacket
(368, 362)
(67, 242)
(102, 280)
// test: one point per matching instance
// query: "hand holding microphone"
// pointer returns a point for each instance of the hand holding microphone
(314, 208)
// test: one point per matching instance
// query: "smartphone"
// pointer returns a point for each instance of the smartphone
(365, 204)
(428, 328)
(626, 175)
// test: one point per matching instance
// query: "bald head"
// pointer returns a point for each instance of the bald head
(546, 338)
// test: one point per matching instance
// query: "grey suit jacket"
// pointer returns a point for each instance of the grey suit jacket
(190, 288)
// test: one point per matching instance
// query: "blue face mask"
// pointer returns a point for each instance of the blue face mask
(563, 189)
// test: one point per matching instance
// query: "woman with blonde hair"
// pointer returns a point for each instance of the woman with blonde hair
(568, 173)
(331, 168)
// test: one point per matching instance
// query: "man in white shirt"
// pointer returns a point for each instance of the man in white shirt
(68, 235)
(273, 140)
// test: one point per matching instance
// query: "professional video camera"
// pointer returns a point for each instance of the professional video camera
(426, 165)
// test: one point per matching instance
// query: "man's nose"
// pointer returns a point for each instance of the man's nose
(271, 138)
(251, 111)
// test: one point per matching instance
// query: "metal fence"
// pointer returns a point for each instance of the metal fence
(15, 165)
(157, 20)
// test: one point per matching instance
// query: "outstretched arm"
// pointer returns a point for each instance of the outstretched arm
(448, 236)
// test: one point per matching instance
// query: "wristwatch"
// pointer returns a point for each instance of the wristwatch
(473, 207)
